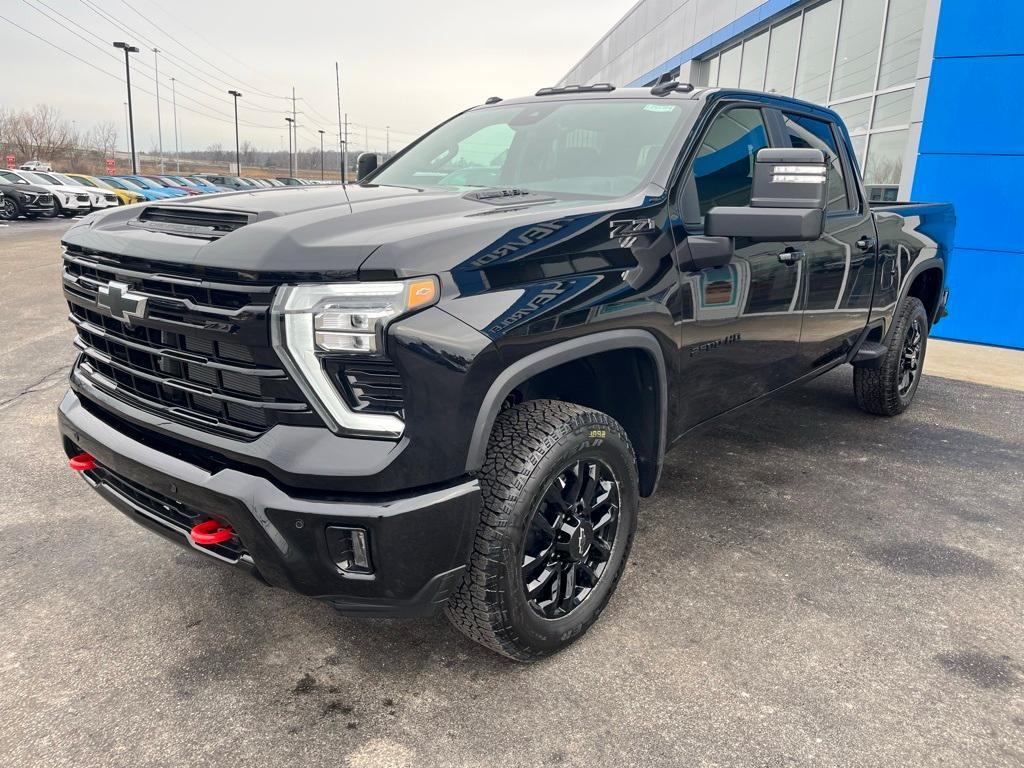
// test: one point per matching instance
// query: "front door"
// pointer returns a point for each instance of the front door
(740, 322)
(839, 268)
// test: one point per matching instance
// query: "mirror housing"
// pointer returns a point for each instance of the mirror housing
(788, 201)
(366, 164)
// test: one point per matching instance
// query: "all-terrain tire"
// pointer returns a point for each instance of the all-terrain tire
(531, 446)
(884, 391)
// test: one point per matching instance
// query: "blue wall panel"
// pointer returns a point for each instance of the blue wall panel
(980, 28)
(979, 106)
(987, 192)
(985, 299)
(972, 154)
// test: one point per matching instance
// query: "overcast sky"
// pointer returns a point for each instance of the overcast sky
(404, 63)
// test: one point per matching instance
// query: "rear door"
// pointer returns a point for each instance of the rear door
(740, 323)
(839, 269)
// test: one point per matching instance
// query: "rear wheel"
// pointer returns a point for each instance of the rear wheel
(560, 500)
(889, 389)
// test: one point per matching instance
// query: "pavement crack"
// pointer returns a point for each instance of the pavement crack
(42, 384)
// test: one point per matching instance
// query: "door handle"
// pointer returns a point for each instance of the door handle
(866, 243)
(790, 256)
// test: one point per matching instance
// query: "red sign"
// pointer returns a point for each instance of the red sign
(110, 165)
(10, 162)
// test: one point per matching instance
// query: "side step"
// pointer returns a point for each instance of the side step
(869, 355)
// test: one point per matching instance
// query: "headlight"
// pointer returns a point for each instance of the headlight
(320, 320)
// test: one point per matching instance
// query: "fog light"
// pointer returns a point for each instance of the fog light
(349, 549)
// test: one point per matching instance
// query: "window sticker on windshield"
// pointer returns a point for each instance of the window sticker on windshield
(660, 107)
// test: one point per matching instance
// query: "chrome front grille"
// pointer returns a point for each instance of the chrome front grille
(191, 349)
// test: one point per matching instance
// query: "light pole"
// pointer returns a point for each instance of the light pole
(238, 154)
(290, 120)
(159, 125)
(174, 114)
(131, 117)
(321, 154)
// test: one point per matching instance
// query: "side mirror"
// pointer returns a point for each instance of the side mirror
(366, 164)
(788, 201)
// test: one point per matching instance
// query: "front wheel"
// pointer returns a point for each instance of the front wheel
(8, 209)
(889, 389)
(560, 498)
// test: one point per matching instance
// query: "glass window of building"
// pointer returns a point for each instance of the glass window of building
(856, 114)
(885, 157)
(755, 54)
(782, 51)
(711, 67)
(893, 109)
(817, 46)
(902, 42)
(860, 32)
(729, 67)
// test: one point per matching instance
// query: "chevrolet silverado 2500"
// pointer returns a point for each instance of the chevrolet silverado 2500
(449, 385)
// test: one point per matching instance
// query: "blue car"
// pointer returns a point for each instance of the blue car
(195, 182)
(150, 194)
(142, 181)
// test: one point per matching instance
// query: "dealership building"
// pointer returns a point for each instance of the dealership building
(932, 92)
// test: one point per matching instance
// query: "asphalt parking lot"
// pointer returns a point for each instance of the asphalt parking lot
(810, 586)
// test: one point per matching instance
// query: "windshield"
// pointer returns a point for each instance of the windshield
(144, 183)
(599, 147)
(12, 177)
(38, 178)
(130, 183)
(81, 181)
(62, 179)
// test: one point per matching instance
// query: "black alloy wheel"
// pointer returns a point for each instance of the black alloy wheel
(570, 538)
(8, 209)
(910, 362)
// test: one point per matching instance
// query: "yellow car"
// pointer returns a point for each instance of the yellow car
(125, 196)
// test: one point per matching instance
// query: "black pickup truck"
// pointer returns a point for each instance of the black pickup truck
(448, 386)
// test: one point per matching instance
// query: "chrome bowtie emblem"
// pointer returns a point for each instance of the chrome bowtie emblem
(122, 304)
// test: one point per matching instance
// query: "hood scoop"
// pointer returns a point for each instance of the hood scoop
(190, 221)
(506, 196)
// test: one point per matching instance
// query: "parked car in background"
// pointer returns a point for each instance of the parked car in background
(229, 183)
(129, 186)
(201, 183)
(124, 196)
(290, 181)
(258, 183)
(36, 165)
(187, 183)
(70, 201)
(24, 200)
(166, 181)
(147, 183)
(109, 197)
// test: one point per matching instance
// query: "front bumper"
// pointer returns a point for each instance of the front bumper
(419, 543)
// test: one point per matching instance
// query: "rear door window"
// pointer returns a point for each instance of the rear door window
(809, 133)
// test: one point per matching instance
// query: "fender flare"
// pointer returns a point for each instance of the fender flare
(932, 262)
(558, 354)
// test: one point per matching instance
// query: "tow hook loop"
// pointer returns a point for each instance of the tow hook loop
(211, 532)
(82, 462)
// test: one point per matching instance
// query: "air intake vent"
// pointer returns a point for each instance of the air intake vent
(191, 221)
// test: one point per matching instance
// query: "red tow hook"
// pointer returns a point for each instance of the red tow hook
(82, 462)
(211, 532)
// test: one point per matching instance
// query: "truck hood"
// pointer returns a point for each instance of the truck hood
(331, 232)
